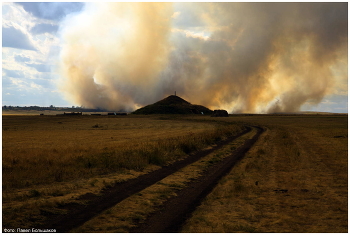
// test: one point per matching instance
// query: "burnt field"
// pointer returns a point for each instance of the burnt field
(294, 178)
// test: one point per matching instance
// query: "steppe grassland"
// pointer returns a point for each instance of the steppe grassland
(135, 209)
(282, 159)
(51, 160)
(295, 179)
(41, 150)
(45, 149)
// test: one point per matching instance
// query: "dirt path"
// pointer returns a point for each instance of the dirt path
(175, 211)
(80, 213)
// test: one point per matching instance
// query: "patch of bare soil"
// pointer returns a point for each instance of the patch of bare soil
(92, 205)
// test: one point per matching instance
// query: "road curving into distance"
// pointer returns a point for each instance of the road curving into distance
(175, 210)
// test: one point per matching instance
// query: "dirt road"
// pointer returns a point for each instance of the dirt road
(175, 211)
(171, 215)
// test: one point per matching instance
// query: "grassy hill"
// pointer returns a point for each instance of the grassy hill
(173, 105)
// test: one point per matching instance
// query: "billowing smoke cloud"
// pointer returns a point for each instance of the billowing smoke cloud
(244, 57)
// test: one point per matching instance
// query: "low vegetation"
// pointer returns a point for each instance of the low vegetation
(135, 209)
(294, 180)
(51, 160)
(71, 148)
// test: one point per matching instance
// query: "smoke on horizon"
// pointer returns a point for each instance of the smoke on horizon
(243, 57)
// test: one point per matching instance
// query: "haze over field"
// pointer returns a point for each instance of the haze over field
(243, 57)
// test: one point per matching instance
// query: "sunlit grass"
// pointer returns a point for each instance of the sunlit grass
(293, 180)
(135, 209)
(48, 161)
(41, 151)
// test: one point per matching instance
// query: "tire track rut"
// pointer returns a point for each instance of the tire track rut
(176, 210)
(79, 213)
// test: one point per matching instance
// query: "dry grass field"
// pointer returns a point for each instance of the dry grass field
(122, 217)
(294, 179)
(50, 160)
(45, 149)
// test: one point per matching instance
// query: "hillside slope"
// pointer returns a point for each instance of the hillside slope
(173, 105)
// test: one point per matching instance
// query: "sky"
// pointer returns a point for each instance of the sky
(242, 57)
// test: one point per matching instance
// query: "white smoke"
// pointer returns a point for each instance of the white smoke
(238, 56)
